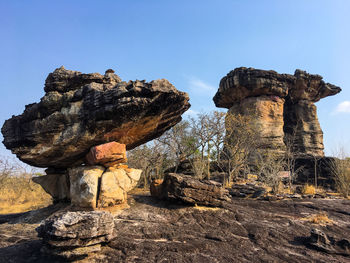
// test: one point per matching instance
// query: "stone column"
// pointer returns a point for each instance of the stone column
(267, 116)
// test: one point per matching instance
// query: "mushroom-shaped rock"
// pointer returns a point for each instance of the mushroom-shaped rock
(282, 104)
(243, 82)
(80, 110)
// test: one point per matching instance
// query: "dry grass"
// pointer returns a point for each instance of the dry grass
(206, 208)
(20, 194)
(309, 189)
(319, 219)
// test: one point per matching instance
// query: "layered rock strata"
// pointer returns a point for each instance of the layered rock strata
(189, 190)
(79, 111)
(282, 106)
(74, 235)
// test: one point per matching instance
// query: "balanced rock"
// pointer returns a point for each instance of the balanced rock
(282, 106)
(108, 154)
(74, 235)
(80, 110)
(189, 190)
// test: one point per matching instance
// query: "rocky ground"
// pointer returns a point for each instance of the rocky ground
(244, 230)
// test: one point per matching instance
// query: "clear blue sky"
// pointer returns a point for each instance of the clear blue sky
(191, 43)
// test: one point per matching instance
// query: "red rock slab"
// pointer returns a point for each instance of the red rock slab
(108, 154)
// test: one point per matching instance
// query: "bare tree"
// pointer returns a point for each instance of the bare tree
(241, 142)
(340, 167)
(151, 158)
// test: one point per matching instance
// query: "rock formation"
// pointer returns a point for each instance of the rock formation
(189, 190)
(80, 110)
(282, 105)
(73, 235)
(82, 128)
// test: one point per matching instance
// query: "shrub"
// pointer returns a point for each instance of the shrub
(319, 219)
(309, 189)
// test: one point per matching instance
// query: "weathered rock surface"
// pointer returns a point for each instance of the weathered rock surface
(84, 182)
(152, 230)
(55, 184)
(79, 111)
(189, 190)
(115, 183)
(108, 154)
(283, 105)
(321, 241)
(247, 190)
(76, 234)
(267, 118)
(91, 186)
(302, 127)
(243, 82)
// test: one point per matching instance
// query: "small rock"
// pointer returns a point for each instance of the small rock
(156, 188)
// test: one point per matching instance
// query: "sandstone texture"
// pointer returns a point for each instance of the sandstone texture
(91, 186)
(189, 190)
(79, 111)
(55, 184)
(72, 235)
(84, 183)
(108, 154)
(282, 105)
(115, 183)
(268, 118)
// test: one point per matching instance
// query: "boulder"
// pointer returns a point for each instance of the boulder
(84, 182)
(76, 234)
(115, 183)
(56, 185)
(108, 154)
(321, 241)
(80, 110)
(193, 191)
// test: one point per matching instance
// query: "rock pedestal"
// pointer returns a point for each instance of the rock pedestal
(93, 186)
(282, 106)
(267, 112)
